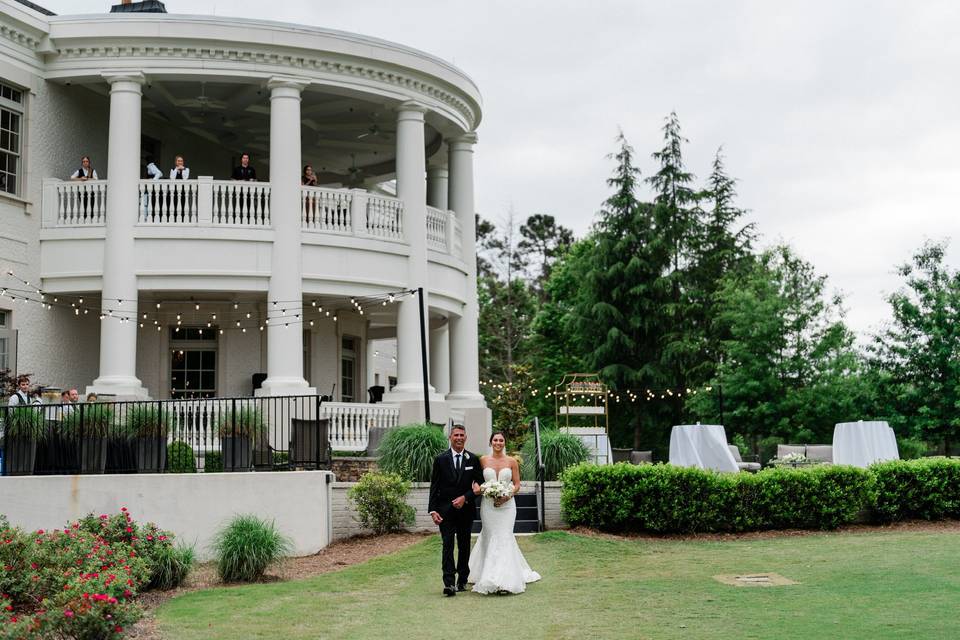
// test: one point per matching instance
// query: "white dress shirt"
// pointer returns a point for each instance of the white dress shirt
(186, 173)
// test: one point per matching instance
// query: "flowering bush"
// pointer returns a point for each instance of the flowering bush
(80, 582)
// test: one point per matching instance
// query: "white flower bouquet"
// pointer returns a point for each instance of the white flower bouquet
(494, 489)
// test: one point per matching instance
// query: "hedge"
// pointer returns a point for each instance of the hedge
(928, 488)
(664, 498)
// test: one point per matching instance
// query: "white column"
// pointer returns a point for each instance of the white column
(412, 191)
(464, 343)
(440, 359)
(118, 329)
(437, 178)
(285, 332)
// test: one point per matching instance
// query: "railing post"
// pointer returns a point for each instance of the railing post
(205, 201)
(49, 203)
(319, 401)
(358, 211)
(450, 228)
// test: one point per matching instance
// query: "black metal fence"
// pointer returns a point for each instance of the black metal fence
(166, 436)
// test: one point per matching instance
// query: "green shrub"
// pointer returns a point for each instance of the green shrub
(928, 488)
(664, 498)
(213, 461)
(146, 419)
(246, 547)
(912, 448)
(25, 423)
(245, 422)
(558, 449)
(408, 451)
(88, 420)
(381, 502)
(180, 458)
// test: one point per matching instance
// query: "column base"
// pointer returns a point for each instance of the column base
(411, 393)
(291, 386)
(118, 388)
(466, 400)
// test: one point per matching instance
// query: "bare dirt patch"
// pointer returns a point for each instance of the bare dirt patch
(919, 526)
(339, 555)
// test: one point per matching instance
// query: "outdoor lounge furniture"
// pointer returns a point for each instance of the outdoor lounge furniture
(820, 452)
(701, 445)
(641, 457)
(862, 443)
(752, 467)
(784, 450)
(620, 455)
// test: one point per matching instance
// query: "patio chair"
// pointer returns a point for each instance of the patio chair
(787, 449)
(752, 466)
(308, 439)
(620, 455)
(641, 457)
(820, 452)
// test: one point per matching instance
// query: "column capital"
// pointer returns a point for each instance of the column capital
(286, 86)
(114, 77)
(438, 172)
(463, 142)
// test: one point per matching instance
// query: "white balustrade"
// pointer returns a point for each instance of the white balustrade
(350, 422)
(457, 250)
(81, 203)
(385, 217)
(168, 202)
(241, 203)
(326, 209)
(436, 229)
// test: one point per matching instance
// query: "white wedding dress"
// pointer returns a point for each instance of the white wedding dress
(496, 563)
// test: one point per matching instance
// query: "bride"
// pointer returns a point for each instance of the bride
(496, 564)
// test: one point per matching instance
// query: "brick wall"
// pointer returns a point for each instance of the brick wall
(350, 469)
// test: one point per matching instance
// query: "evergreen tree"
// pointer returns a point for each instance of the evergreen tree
(544, 242)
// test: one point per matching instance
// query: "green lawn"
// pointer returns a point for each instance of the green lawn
(865, 585)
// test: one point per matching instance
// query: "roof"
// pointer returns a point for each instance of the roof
(35, 7)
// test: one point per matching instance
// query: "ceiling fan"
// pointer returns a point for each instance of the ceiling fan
(375, 131)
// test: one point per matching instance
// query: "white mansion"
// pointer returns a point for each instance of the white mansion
(136, 287)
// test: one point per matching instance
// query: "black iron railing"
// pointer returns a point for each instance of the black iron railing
(166, 436)
(541, 477)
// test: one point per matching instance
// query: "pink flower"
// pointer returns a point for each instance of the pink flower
(68, 613)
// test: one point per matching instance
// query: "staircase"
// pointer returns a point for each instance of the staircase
(527, 514)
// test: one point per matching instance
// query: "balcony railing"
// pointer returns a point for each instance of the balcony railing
(207, 203)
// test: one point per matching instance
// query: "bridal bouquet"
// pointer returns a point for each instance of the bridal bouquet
(494, 489)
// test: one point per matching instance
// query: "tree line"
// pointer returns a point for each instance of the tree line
(670, 300)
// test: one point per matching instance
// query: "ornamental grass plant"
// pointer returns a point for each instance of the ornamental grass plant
(146, 419)
(247, 546)
(559, 450)
(408, 451)
(88, 420)
(24, 423)
(245, 422)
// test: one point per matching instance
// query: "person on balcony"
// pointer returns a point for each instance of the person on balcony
(309, 178)
(85, 172)
(22, 395)
(153, 171)
(245, 171)
(179, 171)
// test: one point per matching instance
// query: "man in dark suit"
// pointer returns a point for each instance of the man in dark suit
(452, 506)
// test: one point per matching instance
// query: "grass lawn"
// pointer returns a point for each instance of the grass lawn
(865, 585)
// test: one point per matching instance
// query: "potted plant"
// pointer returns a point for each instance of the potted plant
(147, 425)
(89, 426)
(23, 428)
(240, 431)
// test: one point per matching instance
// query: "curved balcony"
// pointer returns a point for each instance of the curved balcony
(223, 227)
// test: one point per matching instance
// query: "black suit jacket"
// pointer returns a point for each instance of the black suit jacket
(244, 173)
(446, 484)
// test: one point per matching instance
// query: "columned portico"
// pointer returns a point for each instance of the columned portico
(118, 330)
(440, 359)
(285, 289)
(438, 187)
(464, 343)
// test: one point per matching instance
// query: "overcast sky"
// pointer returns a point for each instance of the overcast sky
(841, 120)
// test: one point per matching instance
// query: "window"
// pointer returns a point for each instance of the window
(11, 121)
(4, 340)
(193, 362)
(348, 369)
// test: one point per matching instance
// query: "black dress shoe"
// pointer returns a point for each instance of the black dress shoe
(449, 591)
(461, 587)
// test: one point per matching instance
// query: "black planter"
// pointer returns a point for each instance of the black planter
(237, 454)
(93, 455)
(151, 453)
(19, 455)
(121, 455)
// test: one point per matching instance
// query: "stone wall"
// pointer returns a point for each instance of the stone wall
(344, 516)
(351, 469)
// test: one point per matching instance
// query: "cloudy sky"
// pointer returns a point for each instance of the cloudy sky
(841, 120)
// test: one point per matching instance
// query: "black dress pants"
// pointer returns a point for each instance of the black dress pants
(456, 527)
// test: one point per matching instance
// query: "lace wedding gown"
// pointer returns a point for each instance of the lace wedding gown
(496, 563)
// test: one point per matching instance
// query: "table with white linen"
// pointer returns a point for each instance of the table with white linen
(703, 446)
(597, 442)
(862, 443)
